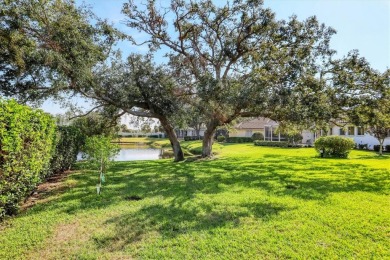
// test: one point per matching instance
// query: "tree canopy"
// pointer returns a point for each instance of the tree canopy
(49, 46)
(236, 56)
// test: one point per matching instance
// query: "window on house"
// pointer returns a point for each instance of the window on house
(360, 130)
(351, 130)
(342, 131)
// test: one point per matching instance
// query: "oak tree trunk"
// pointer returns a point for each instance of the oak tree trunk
(208, 139)
(177, 151)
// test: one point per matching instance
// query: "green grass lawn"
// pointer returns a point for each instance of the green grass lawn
(249, 203)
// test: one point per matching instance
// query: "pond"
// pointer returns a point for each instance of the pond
(137, 152)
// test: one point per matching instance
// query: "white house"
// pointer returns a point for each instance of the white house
(358, 134)
(268, 128)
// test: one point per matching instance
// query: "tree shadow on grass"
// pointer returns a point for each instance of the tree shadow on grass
(299, 177)
(170, 221)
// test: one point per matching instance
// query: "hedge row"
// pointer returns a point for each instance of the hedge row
(271, 144)
(192, 138)
(68, 145)
(27, 143)
(386, 148)
(334, 146)
(239, 140)
(31, 148)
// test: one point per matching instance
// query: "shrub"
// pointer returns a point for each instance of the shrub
(68, 144)
(239, 140)
(221, 138)
(376, 147)
(193, 138)
(334, 146)
(294, 138)
(362, 146)
(257, 136)
(27, 142)
(271, 144)
(387, 148)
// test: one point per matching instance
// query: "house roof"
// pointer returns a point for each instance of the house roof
(257, 123)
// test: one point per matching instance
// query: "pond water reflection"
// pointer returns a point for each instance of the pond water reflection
(137, 154)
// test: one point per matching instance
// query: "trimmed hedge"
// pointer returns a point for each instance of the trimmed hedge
(221, 138)
(271, 144)
(387, 148)
(239, 140)
(27, 142)
(193, 138)
(362, 146)
(334, 146)
(69, 143)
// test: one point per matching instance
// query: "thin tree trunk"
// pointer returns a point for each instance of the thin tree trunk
(177, 151)
(208, 139)
(381, 147)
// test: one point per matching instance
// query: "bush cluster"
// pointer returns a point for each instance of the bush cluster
(386, 148)
(271, 144)
(68, 144)
(27, 143)
(334, 146)
(193, 138)
(221, 138)
(239, 140)
(257, 136)
(155, 136)
(362, 146)
(376, 147)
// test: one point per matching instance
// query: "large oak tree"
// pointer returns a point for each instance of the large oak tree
(237, 56)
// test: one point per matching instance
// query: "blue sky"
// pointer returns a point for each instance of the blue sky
(360, 24)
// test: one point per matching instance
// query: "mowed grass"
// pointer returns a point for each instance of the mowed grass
(248, 203)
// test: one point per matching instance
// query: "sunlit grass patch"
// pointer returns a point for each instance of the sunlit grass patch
(250, 202)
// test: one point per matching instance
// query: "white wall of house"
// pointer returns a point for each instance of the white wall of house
(358, 136)
(308, 137)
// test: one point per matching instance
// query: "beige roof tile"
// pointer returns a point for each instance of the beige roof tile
(257, 123)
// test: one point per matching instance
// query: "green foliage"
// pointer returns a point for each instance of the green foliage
(334, 146)
(369, 106)
(237, 34)
(99, 152)
(27, 142)
(294, 138)
(362, 146)
(68, 145)
(96, 124)
(257, 136)
(49, 43)
(239, 140)
(221, 138)
(387, 148)
(271, 144)
(192, 138)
